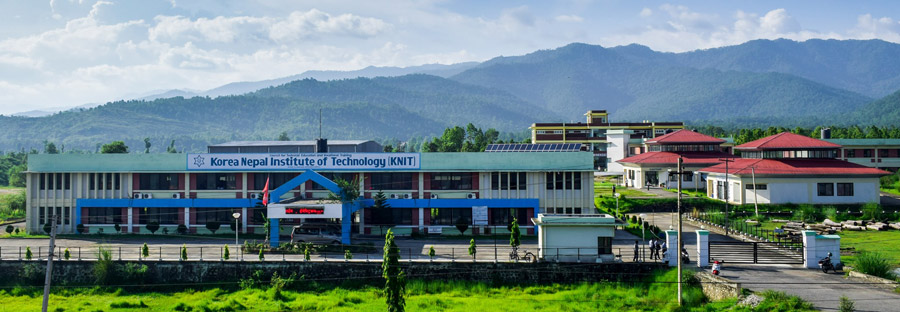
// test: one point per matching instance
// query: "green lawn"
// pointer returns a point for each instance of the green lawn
(655, 294)
(689, 192)
(891, 191)
(605, 189)
(885, 242)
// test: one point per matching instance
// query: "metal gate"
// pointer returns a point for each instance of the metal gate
(757, 252)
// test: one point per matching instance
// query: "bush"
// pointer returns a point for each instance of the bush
(846, 305)
(10, 229)
(104, 269)
(872, 211)
(145, 251)
(183, 252)
(32, 273)
(28, 254)
(182, 229)
(117, 227)
(807, 213)
(152, 226)
(262, 257)
(80, 228)
(875, 264)
(132, 273)
(213, 226)
(67, 254)
(226, 254)
(47, 228)
(125, 304)
(347, 254)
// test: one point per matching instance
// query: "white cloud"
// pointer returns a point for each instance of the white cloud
(868, 27)
(569, 18)
(646, 12)
(300, 25)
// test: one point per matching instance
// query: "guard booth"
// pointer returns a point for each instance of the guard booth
(576, 238)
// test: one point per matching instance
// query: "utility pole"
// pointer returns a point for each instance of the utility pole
(726, 160)
(49, 263)
(680, 243)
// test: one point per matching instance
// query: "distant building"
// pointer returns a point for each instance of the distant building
(593, 135)
(655, 167)
(334, 146)
(791, 168)
(877, 153)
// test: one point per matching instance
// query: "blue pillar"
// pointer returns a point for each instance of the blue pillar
(77, 219)
(274, 232)
(346, 222)
(536, 228)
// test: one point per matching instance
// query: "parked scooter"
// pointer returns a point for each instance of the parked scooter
(684, 256)
(716, 267)
(825, 264)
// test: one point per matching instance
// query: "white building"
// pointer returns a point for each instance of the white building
(791, 168)
(656, 166)
(575, 238)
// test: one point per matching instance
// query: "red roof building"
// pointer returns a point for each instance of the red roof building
(696, 150)
(791, 168)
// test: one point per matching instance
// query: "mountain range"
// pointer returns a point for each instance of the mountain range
(758, 83)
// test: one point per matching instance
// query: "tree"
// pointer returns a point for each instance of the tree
(262, 257)
(431, 253)
(395, 279)
(67, 254)
(381, 211)
(266, 227)
(80, 228)
(213, 226)
(283, 137)
(305, 252)
(388, 148)
(147, 145)
(152, 226)
(225, 253)
(114, 147)
(462, 224)
(10, 229)
(452, 139)
(50, 148)
(183, 252)
(117, 227)
(472, 249)
(16, 175)
(28, 254)
(145, 251)
(347, 254)
(182, 229)
(171, 148)
(514, 235)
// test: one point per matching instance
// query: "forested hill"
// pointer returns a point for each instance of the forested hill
(401, 107)
(635, 83)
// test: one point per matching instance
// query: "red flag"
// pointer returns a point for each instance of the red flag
(265, 199)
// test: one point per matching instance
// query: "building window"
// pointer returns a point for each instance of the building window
(221, 215)
(216, 181)
(275, 180)
(883, 153)
(867, 153)
(563, 180)
(845, 189)
(91, 183)
(259, 215)
(104, 215)
(331, 176)
(688, 176)
(504, 216)
(160, 215)
(508, 181)
(451, 181)
(159, 181)
(448, 216)
(604, 245)
(759, 187)
(541, 131)
(392, 181)
(826, 189)
(391, 216)
(851, 153)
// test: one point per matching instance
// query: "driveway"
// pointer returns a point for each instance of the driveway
(820, 289)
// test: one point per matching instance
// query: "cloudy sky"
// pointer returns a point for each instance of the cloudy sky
(62, 53)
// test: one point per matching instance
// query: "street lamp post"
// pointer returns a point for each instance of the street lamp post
(643, 234)
(616, 195)
(236, 216)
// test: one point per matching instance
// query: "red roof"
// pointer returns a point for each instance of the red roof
(742, 166)
(685, 137)
(786, 140)
(672, 158)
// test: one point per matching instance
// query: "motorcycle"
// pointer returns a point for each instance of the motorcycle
(716, 267)
(825, 264)
(684, 256)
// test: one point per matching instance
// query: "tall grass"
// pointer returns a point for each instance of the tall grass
(874, 263)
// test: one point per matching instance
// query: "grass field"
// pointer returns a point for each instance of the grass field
(656, 294)
(885, 242)
(605, 189)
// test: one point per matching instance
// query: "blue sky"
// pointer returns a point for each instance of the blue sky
(62, 53)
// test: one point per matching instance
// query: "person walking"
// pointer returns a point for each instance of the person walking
(665, 248)
(652, 247)
(636, 250)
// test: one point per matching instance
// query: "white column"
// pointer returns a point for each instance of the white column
(130, 219)
(244, 219)
(702, 248)
(809, 250)
(673, 250)
(187, 217)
